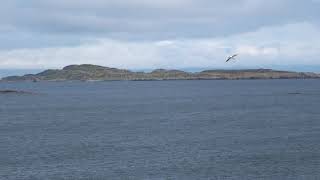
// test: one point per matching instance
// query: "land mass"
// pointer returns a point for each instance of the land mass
(88, 72)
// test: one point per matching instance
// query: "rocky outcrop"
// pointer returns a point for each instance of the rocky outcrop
(87, 72)
(14, 92)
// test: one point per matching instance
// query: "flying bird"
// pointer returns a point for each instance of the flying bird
(231, 57)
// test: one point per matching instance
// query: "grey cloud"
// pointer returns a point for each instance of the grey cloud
(157, 19)
(56, 23)
(290, 45)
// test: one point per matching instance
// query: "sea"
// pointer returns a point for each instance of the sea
(161, 130)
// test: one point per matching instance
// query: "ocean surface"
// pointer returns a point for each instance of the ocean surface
(161, 130)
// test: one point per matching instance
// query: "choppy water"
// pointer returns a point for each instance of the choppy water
(256, 129)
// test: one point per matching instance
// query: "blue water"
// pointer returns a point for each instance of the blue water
(159, 130)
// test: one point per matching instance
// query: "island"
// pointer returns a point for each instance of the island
(88, 72)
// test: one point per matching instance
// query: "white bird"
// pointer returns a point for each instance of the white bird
(231, 57)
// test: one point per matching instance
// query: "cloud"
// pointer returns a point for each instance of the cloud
(154, 20)
(294, 44)
(151, 34)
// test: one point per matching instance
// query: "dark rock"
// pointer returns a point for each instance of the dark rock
(14, 92)
(294, 93)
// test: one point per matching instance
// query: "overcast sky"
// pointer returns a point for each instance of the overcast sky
(146, 34)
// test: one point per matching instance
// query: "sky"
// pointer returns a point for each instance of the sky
(148, 34)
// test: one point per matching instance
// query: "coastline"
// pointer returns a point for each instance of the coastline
(92, 73)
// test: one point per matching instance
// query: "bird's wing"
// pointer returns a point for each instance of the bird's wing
(231, 57)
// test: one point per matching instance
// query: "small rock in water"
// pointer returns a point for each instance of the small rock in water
(14, 92)
(295, 93)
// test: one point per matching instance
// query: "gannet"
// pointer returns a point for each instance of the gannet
(231, 57)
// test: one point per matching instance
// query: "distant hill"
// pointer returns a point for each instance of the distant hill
(19, 72)
(88, 72)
